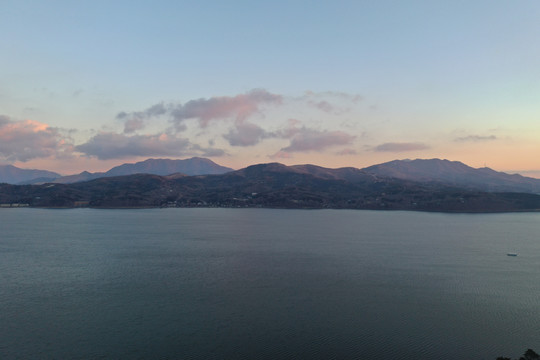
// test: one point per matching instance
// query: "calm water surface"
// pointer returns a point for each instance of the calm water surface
(267, 284)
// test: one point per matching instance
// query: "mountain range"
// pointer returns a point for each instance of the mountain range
(434, 171)
(193, 166)
(13, 175)
(390, 186)
(455, 173)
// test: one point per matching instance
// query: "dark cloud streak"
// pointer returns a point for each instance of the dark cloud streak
(400, 147)
(306, 139)
(475, 138)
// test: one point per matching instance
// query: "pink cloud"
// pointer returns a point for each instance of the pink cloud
(28, 139)
(239, 107)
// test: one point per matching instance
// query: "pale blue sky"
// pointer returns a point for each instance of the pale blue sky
(448, 79)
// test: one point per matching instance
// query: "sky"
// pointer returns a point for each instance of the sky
(88, 85)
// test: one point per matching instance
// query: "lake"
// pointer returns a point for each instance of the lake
(267, 284)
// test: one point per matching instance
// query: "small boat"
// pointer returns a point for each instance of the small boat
(511, 254)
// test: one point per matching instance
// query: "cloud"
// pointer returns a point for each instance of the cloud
(29, 139)
(133, 125)
(331, 101)
(400, 147)
(288, 132)
(355, 98)
(107, 145)
(245, 134)
(475, 138)
(239, 107)
(301, 138)
(324, 106)
(306, 139)
(154, 110)
(136, 120)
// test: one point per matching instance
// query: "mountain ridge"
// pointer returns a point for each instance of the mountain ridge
(270, 185)
(13, 174)
(436, 171)
(455, 173)
(191, 166)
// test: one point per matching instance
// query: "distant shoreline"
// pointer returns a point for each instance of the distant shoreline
(472, 212)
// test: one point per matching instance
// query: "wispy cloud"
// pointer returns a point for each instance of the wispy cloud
(475, 138)
(154, 110)
(305, 139)
(330, 101)
(136, 120)
(355, 98)
(400, 147)
(108, 145)
(28, 139)
(324, 106)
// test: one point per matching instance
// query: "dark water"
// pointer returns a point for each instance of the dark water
(267, 284)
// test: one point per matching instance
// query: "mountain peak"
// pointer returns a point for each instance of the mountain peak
(192, 166)
(454, 173)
